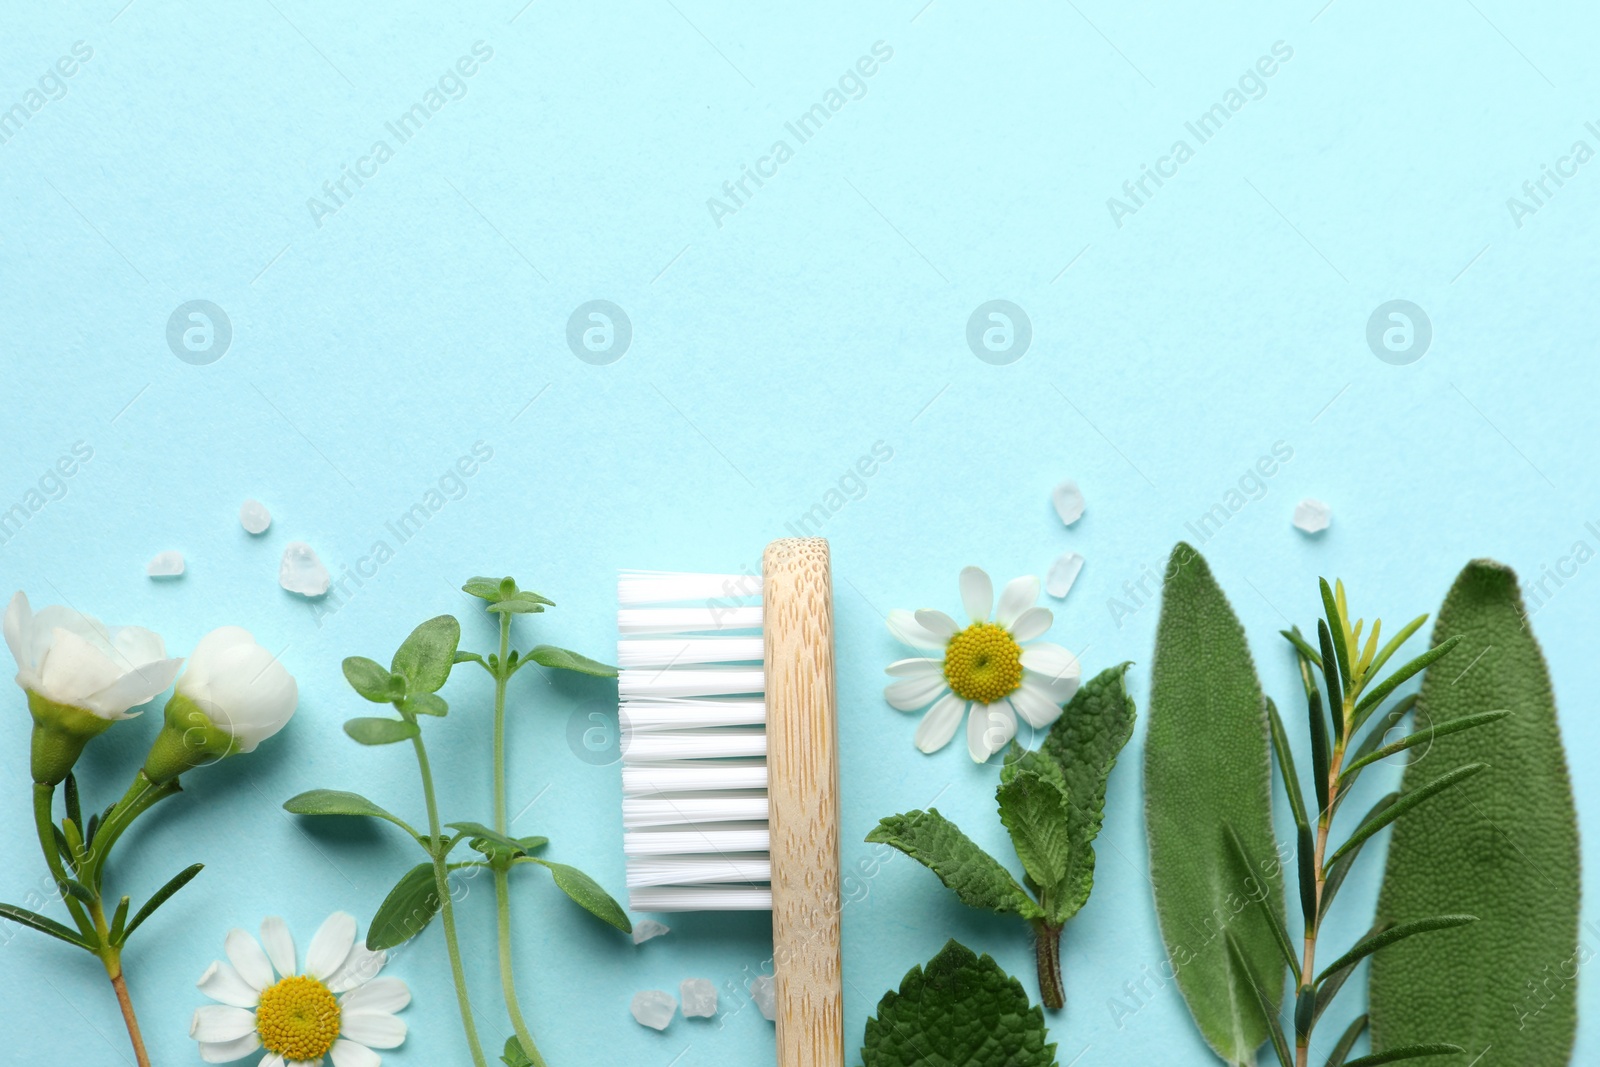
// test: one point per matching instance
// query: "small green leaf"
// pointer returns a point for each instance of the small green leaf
(551, 656)
(587, 892)
(1391, 646)
(490, 842)
(1347, 1041)
(1334, 981)
(426, 704)
(119, 920)
(372, 682)
(532, 842)
(1248, 876)
(1391, 718)
(469, 657)
(483, 588)
(975, 876)
(35, 921)
(1295, 638)
(339, 802)
(160, 897)
(406, 911)
(373, 731)
(1291, 777)
(1399, 932)
(1334, 685)
(1376, 695)
(74, 811)
(425, 657)
(1427, 733)
(513, 1056)
(1034, 808)
(1263, 999)
(959, 1009)
(1409, 1052)
(1339, 670)
(521, 603)
(1405, 803)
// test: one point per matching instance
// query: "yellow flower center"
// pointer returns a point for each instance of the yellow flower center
(298, 1018)
(983, 663)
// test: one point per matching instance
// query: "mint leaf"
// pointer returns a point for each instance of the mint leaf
(975, 876)
(425, 657)
(1034, 808)
(960, 1010)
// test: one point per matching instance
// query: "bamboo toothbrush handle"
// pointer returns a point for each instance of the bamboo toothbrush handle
(803, 792)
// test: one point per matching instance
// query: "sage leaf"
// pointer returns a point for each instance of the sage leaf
(1034, 808)
(339, 802)
(406, 911)
(1084, 743)
(425, 657)
(161, 896)
(587, 892)
(1408, 1052)
(560, 658)
(958, 1010)
(371, 681)
(374, 731)
(1207, 765)
(1507, 852)
(1408, 800)
(975, 876)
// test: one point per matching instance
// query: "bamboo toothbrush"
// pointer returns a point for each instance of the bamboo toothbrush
(730, 767)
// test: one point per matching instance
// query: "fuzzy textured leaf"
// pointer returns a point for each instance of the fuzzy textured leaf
(371, 681)
(425, 657)
(587, 892)
(375, 731)
(1505, 849)
(1207, 764)
(1085, 743)
(960, 1010)
(562, 659)
(1034, 808)
(406, 911)
(340, 802)
(975, 876)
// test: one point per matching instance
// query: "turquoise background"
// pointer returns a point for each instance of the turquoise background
(826, 313)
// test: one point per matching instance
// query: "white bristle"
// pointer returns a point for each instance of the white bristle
(694, 743)
(641, 716)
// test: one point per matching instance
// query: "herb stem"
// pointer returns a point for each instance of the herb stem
(1047, 950)
(1308, 967)
(441, 886)
(502, 879)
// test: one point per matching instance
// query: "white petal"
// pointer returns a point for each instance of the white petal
(380, 994)
(137, 646)
(219, 1022)
(271, 1059)
(73, 668)
(222, 983)
(977, 593)
(1031, 624)
(55, 617)
(228, 1051)
(240, 685)
(331, 945)
(909, 694)
(907, 630)
(1051, 661)
(916, 667)
(18, 625)
(376, 1029)
(278, 942)
(990, 727)
(1019, 595)
(133, 688)
(1035, 706)
(1056, 690)
(359, 968)
(938, 726)
(349, 1054)
(937, 623)
(247, 957)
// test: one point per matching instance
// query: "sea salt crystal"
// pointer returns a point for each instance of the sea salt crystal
(302, 572)
(165, 565)
(763, 990)
(1063, 572)
(254, 517)
(653, 1008)
(699, 998)
(1312, 516)
(645, 929)
(1068, 499)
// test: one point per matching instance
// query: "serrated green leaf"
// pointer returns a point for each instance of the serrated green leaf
(1207, 763)
(1408, 1052)
(374, 731)
(959, 1010)
(35, 921)
(161, 896)
(561, 659)
(1085, 743)
(1034, 808)
(974, 875)
(406, 911)
(371, 681)
(425, 657)
(339, 802)
(587, 893)
(1507, 853)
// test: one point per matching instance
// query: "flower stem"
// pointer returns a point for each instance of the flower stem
(141, 796)
(44, 825)
(502, 879)
(441, 886)
(111, 956)
(1047, 950)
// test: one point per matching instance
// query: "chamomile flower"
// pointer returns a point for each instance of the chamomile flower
(993, 670)
(336, 1007)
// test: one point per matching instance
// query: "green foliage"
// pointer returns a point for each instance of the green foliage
(1506, 851)
(424, 658)
(587, 893)
(960, 1010)
(560, 658)
(372, 682)
(406, 911)
(1051, 803)
(1207, 766)
(375, 731)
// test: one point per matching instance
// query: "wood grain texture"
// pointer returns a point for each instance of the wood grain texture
(803, 789)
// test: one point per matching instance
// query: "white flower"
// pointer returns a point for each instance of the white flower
(241, 687)
(336, 1007)
(994, 670)
(69, 658)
